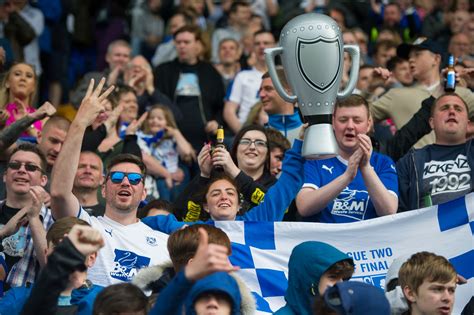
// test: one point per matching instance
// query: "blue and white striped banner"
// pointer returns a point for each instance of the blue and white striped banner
(262, 249)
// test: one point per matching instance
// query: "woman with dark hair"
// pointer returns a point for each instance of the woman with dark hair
(221, 199)
(248, 163)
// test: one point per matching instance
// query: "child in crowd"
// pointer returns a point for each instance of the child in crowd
(121, 298)
(164, 142)
(429, 283)
(312, 268)
(62, 284)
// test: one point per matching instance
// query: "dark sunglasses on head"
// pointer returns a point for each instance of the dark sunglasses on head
(28, 167)
(133, 178)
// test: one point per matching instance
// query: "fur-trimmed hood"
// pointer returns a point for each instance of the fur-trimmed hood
(230, 284)
(147, 278)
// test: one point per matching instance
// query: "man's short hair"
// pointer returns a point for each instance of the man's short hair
(194, 29)
(281, 76)
(118, 42)
(352, 101)
(33, 148)
(183, 244)
(236, 4)
(263, 32)
(425, 266)
(120, 89)
(448, 94)
(228, 39)
(126, 158)
(120, 298)
(387, 44)
(62, 226)
(393, 62)
(58, 122)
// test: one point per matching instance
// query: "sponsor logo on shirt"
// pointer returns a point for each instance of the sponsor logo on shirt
(351, 203)
(127, 264)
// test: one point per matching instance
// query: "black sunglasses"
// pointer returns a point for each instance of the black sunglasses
(29, 167)
(133, 178)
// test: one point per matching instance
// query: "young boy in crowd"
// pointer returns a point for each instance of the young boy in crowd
(312, 268)
(429, 283)
(60, 280)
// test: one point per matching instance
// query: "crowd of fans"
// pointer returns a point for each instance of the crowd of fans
(109, 112)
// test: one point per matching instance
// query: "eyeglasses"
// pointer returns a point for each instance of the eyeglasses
(133, 178)
(29, 167)
(258, 143)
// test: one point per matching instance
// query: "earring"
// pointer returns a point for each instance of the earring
(313, 289)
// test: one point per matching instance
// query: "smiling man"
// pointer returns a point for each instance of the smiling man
(356, 185)
(129, 244)
(442, 171)
(400, 104)
(25, 169)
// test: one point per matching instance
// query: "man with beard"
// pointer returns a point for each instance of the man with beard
(129, 244)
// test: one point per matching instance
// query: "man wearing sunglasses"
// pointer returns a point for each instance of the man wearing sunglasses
(129, 244)
(25, 171)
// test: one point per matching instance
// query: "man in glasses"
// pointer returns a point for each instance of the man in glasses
(25, 171)
(129, 244)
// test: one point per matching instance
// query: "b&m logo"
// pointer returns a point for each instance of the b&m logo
(351, 203)
(127, 264)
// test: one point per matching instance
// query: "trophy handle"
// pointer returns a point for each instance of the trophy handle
(353, 51)
(270, 54)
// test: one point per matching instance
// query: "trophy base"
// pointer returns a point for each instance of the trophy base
(319, 142)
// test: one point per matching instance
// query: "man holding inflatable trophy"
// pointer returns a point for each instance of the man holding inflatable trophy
(345, 181)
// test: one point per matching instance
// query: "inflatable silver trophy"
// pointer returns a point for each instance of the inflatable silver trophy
(312, 53)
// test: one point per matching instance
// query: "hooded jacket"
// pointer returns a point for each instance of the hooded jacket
(308, 262)
(182, 292)
(154, 278)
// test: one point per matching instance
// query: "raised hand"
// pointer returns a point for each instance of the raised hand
(45, 110)
(86, 239)
(204, 160)
(21, 109)
(366, 147)
(93, 103)
(12, 226)
(221, 157)
(136, 124)
(209, 258)
(38, 197)
(353, 164)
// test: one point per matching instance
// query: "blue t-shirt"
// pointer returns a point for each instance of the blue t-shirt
(353, 203)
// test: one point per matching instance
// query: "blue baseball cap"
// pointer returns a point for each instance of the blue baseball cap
(357, 298)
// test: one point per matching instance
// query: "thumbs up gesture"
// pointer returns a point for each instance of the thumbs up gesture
(209, 258)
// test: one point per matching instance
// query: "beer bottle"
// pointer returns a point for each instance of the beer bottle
(219, 143)
(450, 84)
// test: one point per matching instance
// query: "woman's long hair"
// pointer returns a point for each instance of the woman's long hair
(5, 92)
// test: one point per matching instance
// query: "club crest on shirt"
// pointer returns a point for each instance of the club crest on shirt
(127, 264)
(150, 240)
